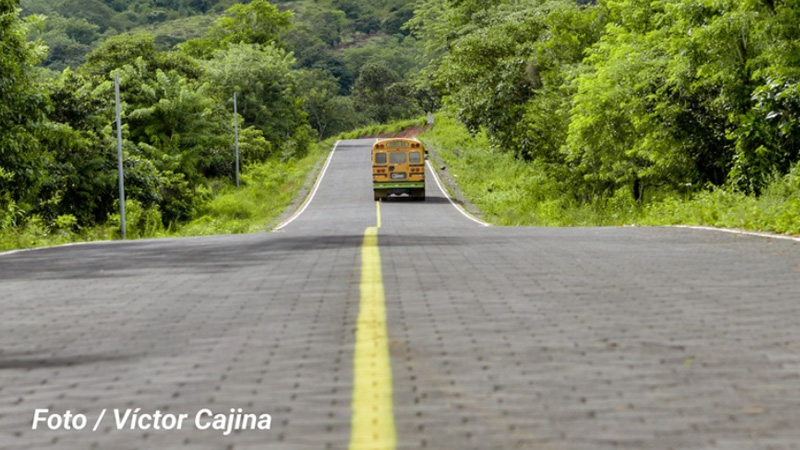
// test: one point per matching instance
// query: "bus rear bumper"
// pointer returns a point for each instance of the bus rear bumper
(411, 189)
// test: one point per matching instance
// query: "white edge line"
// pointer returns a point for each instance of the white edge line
(313, 191)
(740, 232)
(459, 208)
(68, 244)
(104, 242)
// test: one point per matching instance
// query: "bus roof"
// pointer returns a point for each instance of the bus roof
(398, 139)
(382, 142)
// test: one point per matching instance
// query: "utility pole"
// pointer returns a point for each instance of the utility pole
(119, 159)
(236, 132)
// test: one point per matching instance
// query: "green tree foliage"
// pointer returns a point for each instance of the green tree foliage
(119, 51)
(172, 120)
(337, 37)
(687, 87)
(22, 110)
(258, 22)
(381, 93)
(395, 22)
(351, 8)
(266, 87)
(617, 137)
(625, 95)
(83, 172)
(329, 26)
(93, 11)
(44, 7)
(58, 152)
(172, 131)
(402, 55)
(328, 112)
(508, 74)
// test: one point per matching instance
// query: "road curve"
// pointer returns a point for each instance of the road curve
(498, 338)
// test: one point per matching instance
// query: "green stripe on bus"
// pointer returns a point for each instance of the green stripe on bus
(397, 185)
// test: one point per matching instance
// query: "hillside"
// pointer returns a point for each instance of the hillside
(331, 41)
(73, 28)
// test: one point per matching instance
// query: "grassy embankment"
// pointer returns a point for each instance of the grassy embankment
(266, 191)
(512, 192)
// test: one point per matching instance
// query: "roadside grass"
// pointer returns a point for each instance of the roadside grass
(34, 232)
(776, 210)
(512, 192)
(266, 190)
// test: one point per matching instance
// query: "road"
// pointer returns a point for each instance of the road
(497, 338)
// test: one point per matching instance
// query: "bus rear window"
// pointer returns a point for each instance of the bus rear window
(414, 157)
(397, 158)
(380, 158)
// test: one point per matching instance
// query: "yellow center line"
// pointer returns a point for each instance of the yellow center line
(378, 205)
(372, 425)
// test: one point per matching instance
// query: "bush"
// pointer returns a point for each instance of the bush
(140, 221)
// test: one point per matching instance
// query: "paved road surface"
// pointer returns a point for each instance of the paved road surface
(499, 338)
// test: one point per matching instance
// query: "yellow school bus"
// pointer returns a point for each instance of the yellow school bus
(398, 168)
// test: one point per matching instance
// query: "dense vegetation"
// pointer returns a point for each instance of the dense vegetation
(332, 42)
(555, 111)
(511, 191)
(620, 104)
(302, 71)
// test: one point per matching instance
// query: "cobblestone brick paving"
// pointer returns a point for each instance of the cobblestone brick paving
(500, 338)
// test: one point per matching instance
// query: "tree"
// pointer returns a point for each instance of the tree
(82, 175)
(22, 108)
(93, 11)
(402, 55)
(266, 86)
(330, 26)
(257, 22)
(173, 122)
(175, 131)
(394, 24)
(688, 93)
(68, 39)
(351, 8)
(328, 112)
(507, 73)
(119, 51)
(380, 92)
